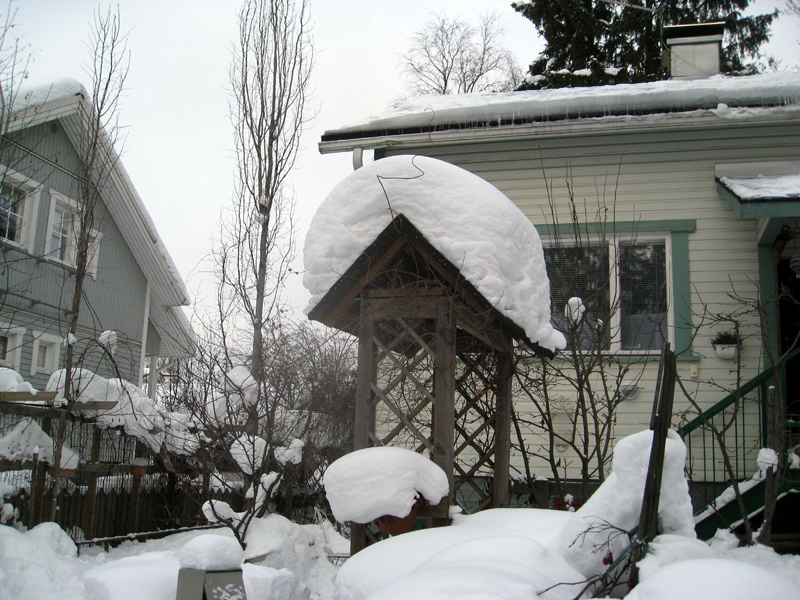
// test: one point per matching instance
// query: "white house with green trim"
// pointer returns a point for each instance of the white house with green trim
(132, 287)
(695, 186)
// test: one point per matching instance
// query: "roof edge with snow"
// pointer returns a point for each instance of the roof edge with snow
(67, 101)
(674, 102)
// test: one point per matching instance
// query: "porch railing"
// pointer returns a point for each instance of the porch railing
(738, 422)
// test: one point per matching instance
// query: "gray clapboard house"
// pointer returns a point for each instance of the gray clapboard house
(693, 180)
(132, 287)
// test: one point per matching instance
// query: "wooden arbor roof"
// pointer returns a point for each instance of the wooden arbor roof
(434, 364)
(401, 263)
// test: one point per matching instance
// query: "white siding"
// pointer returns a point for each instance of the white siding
(650, 176)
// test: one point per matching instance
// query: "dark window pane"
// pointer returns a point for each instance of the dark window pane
(581, 272)
(11, 205)
(643, 290)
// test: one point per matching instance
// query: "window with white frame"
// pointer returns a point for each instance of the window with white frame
(46, 353)
(93, 257)
(19, 197)
(12, 214)
(11, 345)
(63, 226)
(623, 283)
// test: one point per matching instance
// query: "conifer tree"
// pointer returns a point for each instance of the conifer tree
(598, 42)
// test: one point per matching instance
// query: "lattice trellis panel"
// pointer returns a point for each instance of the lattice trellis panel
(403, 403)
(475, 425)
(403, 393)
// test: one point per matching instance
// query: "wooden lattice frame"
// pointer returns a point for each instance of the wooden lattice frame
(448, 391)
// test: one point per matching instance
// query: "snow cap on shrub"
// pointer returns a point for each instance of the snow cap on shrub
(373, 482)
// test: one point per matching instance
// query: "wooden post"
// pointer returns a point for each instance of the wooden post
(140, 451)
(91, 493)
(502, 423)
(364, 422)
(444, 403)
(39, 483)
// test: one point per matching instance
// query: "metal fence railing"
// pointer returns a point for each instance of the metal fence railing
(733, 429)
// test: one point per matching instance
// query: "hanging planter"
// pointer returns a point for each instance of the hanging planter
(391, 525)
(726, 345)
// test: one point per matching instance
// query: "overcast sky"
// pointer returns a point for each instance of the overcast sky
(178, 149)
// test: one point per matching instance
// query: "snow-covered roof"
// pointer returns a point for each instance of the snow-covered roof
(67, 101)
(655, 103)
(760, 189)
(466, 219)
(774, 187)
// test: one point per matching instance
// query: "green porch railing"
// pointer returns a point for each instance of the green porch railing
(744, 413)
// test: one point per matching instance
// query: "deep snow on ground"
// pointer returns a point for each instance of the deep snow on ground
(528, 553)
(43, 564)
(496, 554)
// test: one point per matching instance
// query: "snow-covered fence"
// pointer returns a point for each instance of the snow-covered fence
(102, 491)
(121, 505)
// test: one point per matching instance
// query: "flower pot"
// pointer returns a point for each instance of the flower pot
(392, 525)
(726, 351)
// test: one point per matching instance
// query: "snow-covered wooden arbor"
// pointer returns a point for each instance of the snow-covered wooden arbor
(438, 274)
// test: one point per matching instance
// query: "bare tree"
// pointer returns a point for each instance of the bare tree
(14, 62)
(575, 397)
(269, 84)
(730, 439)
(309, 390)
(107, 70)
(269, 79)
(453, 56)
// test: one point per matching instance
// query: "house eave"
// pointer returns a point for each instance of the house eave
(701, 118)
(127, 211)
(761, 207)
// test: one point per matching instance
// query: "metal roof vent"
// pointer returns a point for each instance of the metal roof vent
(692, 51)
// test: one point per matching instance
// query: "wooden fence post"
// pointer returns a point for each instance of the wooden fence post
(91, 493)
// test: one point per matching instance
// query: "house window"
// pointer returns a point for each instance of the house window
(10, 345)
(62, 229)
(19, 203)
(46, 353)
(93, 256)
(623, 285)
(12, 214)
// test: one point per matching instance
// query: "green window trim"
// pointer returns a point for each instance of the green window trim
(678, 230)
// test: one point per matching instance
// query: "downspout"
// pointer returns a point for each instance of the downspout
(145, 324)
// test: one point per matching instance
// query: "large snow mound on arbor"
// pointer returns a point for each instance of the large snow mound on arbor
(472, 223)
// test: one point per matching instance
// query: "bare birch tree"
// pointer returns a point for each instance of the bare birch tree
(107, 69)
(453, 56)
(269, 79)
